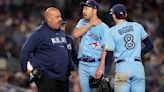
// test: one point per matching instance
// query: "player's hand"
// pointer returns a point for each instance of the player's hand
(98, 73)
(29, 68)
(73, 75)
(95, 22)
(28, 72)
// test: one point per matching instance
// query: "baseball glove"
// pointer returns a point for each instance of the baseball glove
(104, 86)
(101, 85)
(94, 83)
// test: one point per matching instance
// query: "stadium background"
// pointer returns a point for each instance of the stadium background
(18, 18)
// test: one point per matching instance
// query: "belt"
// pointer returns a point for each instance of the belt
(89, 60)
(121, 60)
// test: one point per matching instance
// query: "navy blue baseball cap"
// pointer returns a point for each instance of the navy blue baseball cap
(118, 9)
(90, 3)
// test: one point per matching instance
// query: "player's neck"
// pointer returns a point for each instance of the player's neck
(120, 21)
(94, 18)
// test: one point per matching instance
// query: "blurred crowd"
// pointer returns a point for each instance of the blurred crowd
(18, 18)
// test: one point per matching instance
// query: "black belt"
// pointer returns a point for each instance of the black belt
(121, 60)
(90, 60)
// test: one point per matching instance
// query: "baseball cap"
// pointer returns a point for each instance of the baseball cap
(118, 9)
(90, 3)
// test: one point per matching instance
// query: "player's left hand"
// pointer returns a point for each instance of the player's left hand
(98, 73)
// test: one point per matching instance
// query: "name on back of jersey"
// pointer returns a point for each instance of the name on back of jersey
(125, 29)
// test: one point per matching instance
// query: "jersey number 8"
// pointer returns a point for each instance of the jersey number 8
(129, 44)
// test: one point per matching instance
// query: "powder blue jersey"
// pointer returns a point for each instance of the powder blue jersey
(92, 42)
(125, 40)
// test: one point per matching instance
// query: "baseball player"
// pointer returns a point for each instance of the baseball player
(91, 30)
(124, 41)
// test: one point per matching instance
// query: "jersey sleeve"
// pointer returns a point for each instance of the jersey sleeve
(104, 35)
(143, 32)
(109, 42)
(80, 23)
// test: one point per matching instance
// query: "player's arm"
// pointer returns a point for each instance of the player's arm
(106, 59)
(100, 68)
(148, 46)
(78, 32)
(101, 65)
(145, 39)
(110, 48)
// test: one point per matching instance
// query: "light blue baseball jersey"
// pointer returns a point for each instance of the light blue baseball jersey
(125, 40)
(92, 42)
